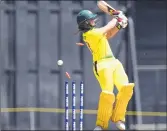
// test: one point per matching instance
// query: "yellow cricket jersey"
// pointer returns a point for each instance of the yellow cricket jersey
(97, 44)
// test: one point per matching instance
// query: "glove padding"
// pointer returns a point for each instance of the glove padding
(123, 23)
(122, 19)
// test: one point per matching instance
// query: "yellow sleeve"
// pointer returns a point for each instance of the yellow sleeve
(93, 39)
(93, 36)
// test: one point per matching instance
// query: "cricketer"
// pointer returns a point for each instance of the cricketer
(108, 70)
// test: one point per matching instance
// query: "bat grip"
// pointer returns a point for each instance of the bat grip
(116, 13)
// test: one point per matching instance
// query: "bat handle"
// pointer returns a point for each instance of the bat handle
(116, 13)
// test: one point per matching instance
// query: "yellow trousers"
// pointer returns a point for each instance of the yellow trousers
(110, 72)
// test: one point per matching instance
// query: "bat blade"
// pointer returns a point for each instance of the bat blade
(104, 6)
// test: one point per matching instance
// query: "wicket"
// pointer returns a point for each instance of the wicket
(73, 106)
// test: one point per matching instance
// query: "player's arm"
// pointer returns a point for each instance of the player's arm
(122, 23)
(112, 28)
(112, 32)
(107, 28)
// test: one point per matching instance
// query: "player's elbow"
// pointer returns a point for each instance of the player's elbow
(112, 33)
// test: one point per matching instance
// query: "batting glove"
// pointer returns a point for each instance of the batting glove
(122, 19)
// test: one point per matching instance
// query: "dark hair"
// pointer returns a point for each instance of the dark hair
(85, 26)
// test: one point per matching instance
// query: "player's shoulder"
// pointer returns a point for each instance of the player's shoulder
(92, 34)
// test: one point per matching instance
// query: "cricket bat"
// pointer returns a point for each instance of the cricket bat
(105, 7)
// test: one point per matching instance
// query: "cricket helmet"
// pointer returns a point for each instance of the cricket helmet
(83, 20)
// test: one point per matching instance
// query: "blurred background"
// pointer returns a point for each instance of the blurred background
(35, 34)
